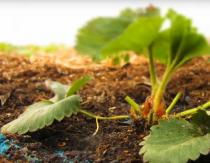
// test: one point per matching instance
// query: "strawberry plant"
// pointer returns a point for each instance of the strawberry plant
(173, 139)
(64, 104)
(173, 46)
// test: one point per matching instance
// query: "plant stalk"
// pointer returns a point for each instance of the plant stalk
(173, 103)
(133, 104)
(193, 110)
(150, 117)
(161, 88)
(153, 76)
(91, 115)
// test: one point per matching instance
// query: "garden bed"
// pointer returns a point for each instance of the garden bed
(22, 81)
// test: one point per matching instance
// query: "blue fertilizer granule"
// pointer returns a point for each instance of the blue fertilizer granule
(4, 144)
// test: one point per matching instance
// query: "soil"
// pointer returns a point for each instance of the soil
(71, 140)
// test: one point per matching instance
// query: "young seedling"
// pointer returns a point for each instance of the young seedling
(64, 104)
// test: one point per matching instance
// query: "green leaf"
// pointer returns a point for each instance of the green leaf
(161, 47)
(42, 114)
(96, 33)
(77, 85)
(138, 36)
(132, 14)
(58, 89)
(185, 41)
(202, 119)
(174, 141)
(195, 45)
(180, 42)
(93, 37)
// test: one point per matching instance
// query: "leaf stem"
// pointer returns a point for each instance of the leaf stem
(150, 117)
(153, 76)
(91, 115)
(133, 104)
(173, 103)
(161, 88)
(193, 110)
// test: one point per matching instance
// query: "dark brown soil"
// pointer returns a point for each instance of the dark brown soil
(71, 139)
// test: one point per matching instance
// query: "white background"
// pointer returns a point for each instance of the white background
(45, 22)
